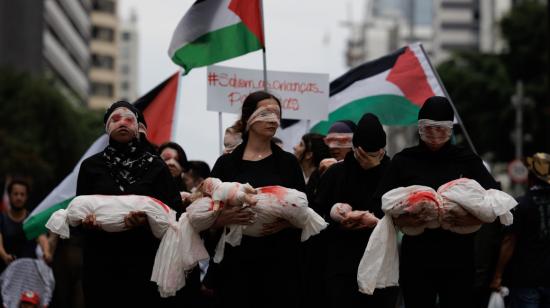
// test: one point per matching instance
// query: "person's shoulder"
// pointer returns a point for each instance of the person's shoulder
(335, 169)
(286, 155)
(96, 159)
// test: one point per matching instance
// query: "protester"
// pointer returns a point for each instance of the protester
(310, 152)
(197, 172)
(13, 243)
(116, 264)
(353, 181)
(437, 263)
(339, 138)
(176, 160)
(231, 139)
(262, 271)
(524, 261)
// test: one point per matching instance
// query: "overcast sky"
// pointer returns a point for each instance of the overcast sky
(301, 36)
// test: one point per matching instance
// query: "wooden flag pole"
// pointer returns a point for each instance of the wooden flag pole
(450, 101)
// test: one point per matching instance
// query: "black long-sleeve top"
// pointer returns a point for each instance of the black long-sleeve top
(347, 182)
(436, 248)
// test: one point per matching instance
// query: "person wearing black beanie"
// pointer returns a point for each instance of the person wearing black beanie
(353, 181)
(437, 263)
(121, 262)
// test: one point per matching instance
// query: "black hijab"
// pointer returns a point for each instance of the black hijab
(127, 162)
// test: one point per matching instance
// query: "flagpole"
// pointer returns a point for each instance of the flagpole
(450, 101)
(176, 107)
(263, 48)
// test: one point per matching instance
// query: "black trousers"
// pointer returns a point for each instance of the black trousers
(342, 291)
(422, 286)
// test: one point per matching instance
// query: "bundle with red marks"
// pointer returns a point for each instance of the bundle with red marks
(269, 204)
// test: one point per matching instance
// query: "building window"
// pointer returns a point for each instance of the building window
(103, 34)
(103, 61)
(457, 26)
(107, 6)
(126, 35)
(125, 69)
(102, 89)
(125, 86)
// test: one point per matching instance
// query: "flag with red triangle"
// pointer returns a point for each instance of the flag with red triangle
(158, 107)
(393, 87)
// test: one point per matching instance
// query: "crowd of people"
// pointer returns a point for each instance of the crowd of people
(346, 169)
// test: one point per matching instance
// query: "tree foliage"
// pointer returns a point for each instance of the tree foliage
(42, 135)
(481, 85)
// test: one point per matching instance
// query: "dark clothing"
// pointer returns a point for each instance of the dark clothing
(530, 263)
(117, 266)
(347, 182)
(443, 253)
(262, 271)
(15, 242)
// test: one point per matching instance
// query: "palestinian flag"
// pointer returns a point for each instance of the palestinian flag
(216, 30)
(158, 107)
(393, 88)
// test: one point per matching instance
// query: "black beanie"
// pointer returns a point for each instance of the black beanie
(437, 108)
(119, 104)
(369, 135)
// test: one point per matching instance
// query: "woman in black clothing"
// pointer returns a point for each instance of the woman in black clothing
(353, 181)
(436, 263)
(262, 271)
(310, 152)
(176, 160)
(117, 266)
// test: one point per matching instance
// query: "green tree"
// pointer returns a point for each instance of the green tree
(481, 84)
(42, 136)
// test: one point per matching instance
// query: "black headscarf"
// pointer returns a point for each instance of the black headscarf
(127, 162)
(369, 135)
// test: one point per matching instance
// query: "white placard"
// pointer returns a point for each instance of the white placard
(303, 95)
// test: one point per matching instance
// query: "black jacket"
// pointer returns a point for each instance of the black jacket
(419, 165)
(347, 182)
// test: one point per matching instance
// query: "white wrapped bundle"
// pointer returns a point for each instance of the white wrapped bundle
(178, 250)
(339, 211)
(271, 203)
(202, 213)
(110, 212)
(232, 193)
(463, 196)
(275, 202)
(380, 263)
(420, 200)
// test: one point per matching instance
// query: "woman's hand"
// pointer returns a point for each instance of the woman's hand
(234, 215)
(496, 283)
(8, 258)
(357, 220)
(90, 223)
(276, 226)
(135, 219)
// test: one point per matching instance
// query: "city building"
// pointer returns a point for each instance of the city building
(48, 38)
(128, 59)
(103, 74)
